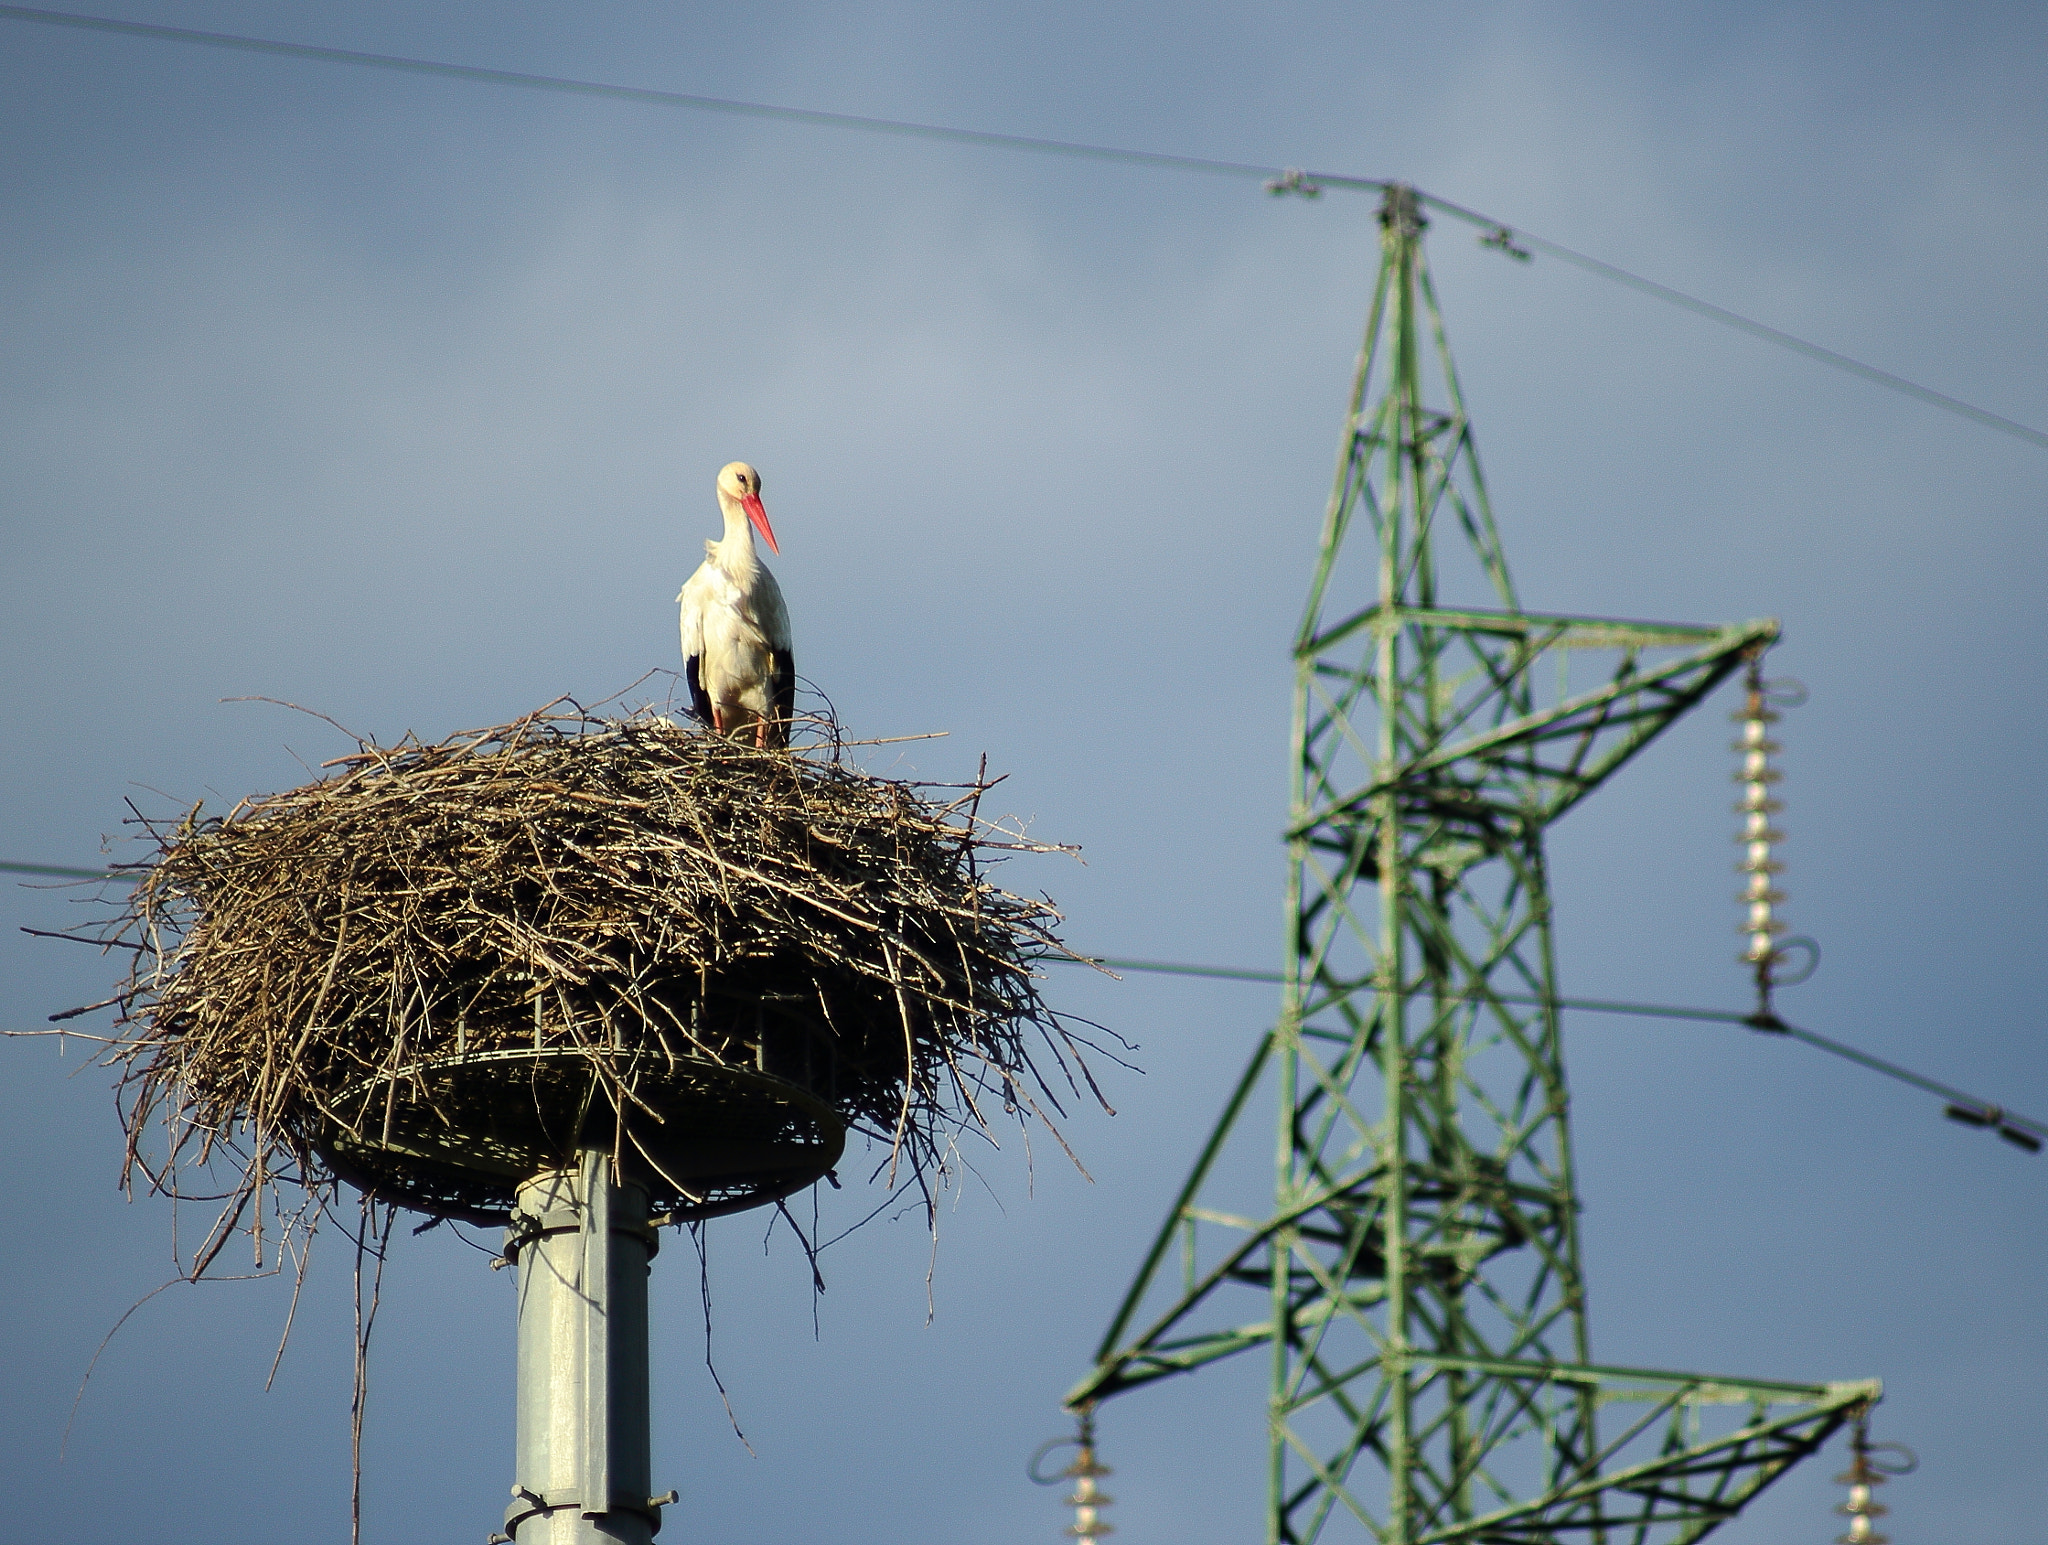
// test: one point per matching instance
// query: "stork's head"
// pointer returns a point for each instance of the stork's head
(739, 488)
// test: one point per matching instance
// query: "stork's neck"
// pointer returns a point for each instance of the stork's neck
(736, 547)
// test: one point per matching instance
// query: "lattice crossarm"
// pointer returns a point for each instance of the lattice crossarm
(1629, 710)
(1158, 1351)
(1717, 654)
(1139, 1367)
(1666, 1507)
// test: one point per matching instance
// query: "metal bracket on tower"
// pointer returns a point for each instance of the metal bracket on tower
(1501, 239)
(1293, 180)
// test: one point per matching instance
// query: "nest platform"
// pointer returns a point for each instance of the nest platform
(447, 967)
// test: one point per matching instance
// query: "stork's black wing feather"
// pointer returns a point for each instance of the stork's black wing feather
(700, 700)
(782, 693)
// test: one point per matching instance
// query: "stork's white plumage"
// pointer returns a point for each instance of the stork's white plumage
(736, 644)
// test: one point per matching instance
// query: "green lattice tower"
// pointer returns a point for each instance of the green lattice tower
(1415, 1280)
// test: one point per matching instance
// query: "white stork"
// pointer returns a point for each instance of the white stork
(736, 645)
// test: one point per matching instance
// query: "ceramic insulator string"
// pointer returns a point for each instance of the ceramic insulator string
(1088, 1499)
(1870, 1466)
(1756, 807)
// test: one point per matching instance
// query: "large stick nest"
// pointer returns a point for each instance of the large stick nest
(713, 943)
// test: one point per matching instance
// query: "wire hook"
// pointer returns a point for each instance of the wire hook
(1800, 944)
(1083, 1438)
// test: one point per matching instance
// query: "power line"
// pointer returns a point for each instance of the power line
(1965, 1107)
(640, 94)
(1744, 324)
(1277, 179)
(58, 871)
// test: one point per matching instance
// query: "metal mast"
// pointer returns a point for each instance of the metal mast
(1414, 1279)
(582, 1244)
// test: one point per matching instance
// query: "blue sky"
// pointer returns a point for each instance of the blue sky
(402, 398)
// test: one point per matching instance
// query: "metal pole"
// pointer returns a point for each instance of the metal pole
(582, 1244)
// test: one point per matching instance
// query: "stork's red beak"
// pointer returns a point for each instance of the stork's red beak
(751, 503)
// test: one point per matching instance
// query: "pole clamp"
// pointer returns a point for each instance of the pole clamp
(528, 1503)
(527, 1227)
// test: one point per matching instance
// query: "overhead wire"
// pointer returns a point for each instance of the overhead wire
(1963, 1106)
(1277, 179)
(58, 871)
(644, 95)
(1741, 323)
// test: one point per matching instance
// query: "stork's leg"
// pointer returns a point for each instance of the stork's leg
(761, 734)
(718, 718)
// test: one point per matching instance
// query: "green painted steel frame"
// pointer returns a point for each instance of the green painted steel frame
(1424, 1302)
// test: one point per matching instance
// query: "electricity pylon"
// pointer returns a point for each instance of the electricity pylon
(1416, 1274)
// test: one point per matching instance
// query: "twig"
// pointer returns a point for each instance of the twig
(365, 1322)
(698, 1231)
(65, 1442)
